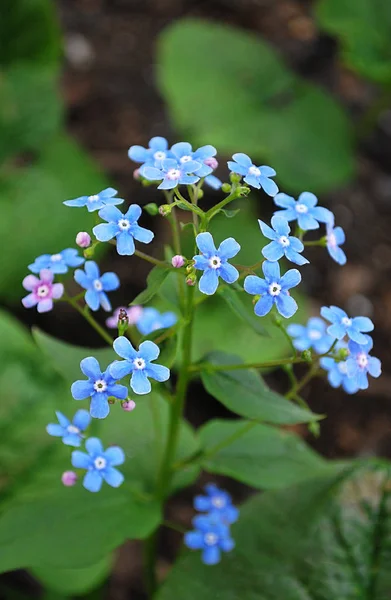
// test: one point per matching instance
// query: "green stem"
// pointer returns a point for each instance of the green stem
(150, 551)
(190, 206)
(263, 365)
(312, 372)
(215, 209)
(321, 242)
(152, 260)
(88, 317)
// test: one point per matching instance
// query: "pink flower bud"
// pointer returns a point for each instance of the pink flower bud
(69, 478)
(83, 239)
(178, 261)
(211, 162)
(128, 405)
(191, 281)
(136, 174)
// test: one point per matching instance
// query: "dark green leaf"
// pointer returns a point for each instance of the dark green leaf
(74, 581)
(155, 279)
(236, 305)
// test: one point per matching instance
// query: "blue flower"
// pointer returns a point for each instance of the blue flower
(99, 387)
(96, 285)
(214, 262)
(139, 363)
(58, 263)
(313, 335)
(219, 502)
(335, 236)
(342, 325)
(151, 320)
(273, 289)
(122, 226)
(183, 153)
(211, 536)
(96, 201)
(99, 464)
(337, 373)
(283, 244)
(213, 182)
(153, 155)
(172, 173)
(258, 177)
(304, 209)
(70, 432)
(360, 363)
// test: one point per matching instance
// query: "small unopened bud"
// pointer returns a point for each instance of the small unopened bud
(226, 188)
(123, 321)
(136, 174)
(200, 194)
(69, 478)
(83, 239)
(191, 279)
(235, 177)
(211, 162)
(111, 400)
(307, 356)
(256, 298)
(165, 210)
(128, 405)
(152, 209)
(343, 353)
(243, 191)
(178, 261)
(190, 268)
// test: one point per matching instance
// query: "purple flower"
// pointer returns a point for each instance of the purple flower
(335, 236)
(342, 325)
(70, 432)
(153, 155)
(133, 312)
(43, 291)
(304, 209)
(274, 289)
(124, 227)
(211, 536)
(96, 285)
(258, 177)
(219, 502)
(172, 173)
(99, 464)
(58, 263)
(178, 261)
(282, 243)
(96, 201)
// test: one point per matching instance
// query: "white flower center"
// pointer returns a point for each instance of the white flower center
(100, 385)
(43, 291)
(214, 262)
(98, 285)
(301, 208)
(139, 364)
(332, 241)
(253, 170)
(313, 334)
(185, 159)
(362, 360)
(210, 539)
(56, 257)
(343, 368)
(159, 155)
(73, 429)
(100, 463)
(274, 289)
(346, 321)
(173, 174)
(93, 198)
(218, 502)
(284, 241)
(123, 224)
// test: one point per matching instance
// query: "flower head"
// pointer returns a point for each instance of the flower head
(219, 502)
(360, 363)
(58, 263)
(70, 432)
(133, 312)
(304, 209)
(335, 237)
(172, 172)
(124, 227)
(43, 291)
(139, 364)
(214, 262)
(342, 325)
(258, 177)
(153, 155)
(282, 243)
(313, 335)
(96, 285)
(337, 372)
(69, 478)
(99, 464)
(99, 387)
(178, 261)
(211, 536)
(83, 239)
(96, 201)
(273, 289)
(183, 152)
(152, 320)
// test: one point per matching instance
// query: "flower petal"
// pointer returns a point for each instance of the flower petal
(194, 540)
(133, 213)
(307, 222)
(82, 419)
(264, 305)
(115, 455)
(113, 477)
(94, 446)
(308, 198)
(242, 159)
(139, 382)
(271, 271)
(209, 282)
(30, 300)
(211, 555)
(99, 407)
(91, 269)
(280, 225)
(92, 481)
(205, 244)
(255, 285)
(228, 248)
(117, 390)
(269, 186)
(125, 244)
(80, 460)
(111, 214)
(45, 305)
(105, 231)
(81, 390)
(141, 234)
(138, 154)
(290, 279)
(148, 350)
(30, 282)
(228, 272)
(273, 251)
(284, 200)
(158, 372)
(362, 324)
(152, 174)
(286, 305)
(91, 368)
(55, 430)
(124, 348)
(110, 282)
(120, 368)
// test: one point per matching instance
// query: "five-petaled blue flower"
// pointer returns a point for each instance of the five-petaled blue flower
(96, 201)
(172, 173)
(219, 502)
(139, 363)
(96, 285)
(58, 263)
(99, 387)
(99, 464)
(335, 237)
(360, 363)
(342, 325)
(153, 155)
(283, 244)
(304, 209)
(337, 372)
(273, 289)
(183, 152)
(313, 335)
(122, 226)
(70, 432)
(151, 320)
(214, 262)
(258, 177)
(211, 536)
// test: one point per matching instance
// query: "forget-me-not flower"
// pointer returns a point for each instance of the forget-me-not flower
(360, 363)
(139, 364)
(214, 262)
(71, 432)
(304, 209)
(123, 227)
(183, 152)
(42, 291)
(58, 263)
(257, 177)
(313, 335)
(153, 155)
(171, 173)
(219, 502)
(335, 237)
(342, 325)
(337, 373)
(99, 464)
(211, 536)
(282, 243)
(96, 201)
(151, 320)
(99, 387)
(274, 289)
(96, 285)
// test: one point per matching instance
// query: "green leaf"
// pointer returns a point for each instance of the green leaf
(258, 105)
(230, 213)
(237, 306)
(74, 581)
(244, 392)
(364, 31)
(263, 456)
(155, 279)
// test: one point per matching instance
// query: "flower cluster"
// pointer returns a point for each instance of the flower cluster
(211, 532)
